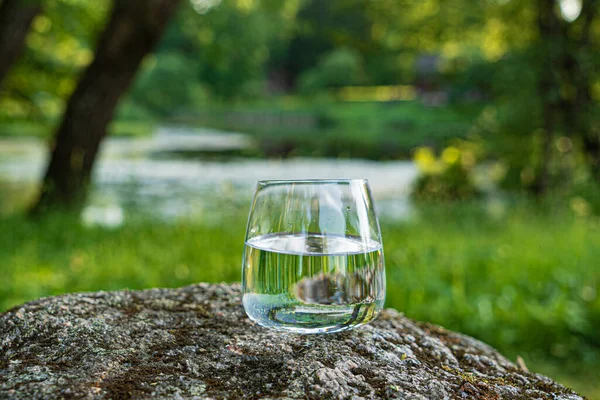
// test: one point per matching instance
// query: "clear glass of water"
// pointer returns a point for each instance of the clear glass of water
(313, 257)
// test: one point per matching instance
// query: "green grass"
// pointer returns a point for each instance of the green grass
(45, 128)
(21, 128)
(525, 282)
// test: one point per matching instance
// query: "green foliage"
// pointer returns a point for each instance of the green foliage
(166, 81)
(42, 129)
(60, 43)
(323, 27)
(341, 67)
(448, 178)
(508, 126)
(453, 184)
(225, 49)
(371, 130)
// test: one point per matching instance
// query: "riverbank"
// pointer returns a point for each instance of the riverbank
(301, 127)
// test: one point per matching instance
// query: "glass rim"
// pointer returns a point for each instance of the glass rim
(266, 182)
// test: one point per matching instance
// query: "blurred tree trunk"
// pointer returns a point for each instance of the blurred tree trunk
(15, 19)
(579, 68)
(551, 48)
(565, 85)
(134, 28)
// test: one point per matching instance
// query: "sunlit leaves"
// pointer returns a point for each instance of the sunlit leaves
(232, 48)
(59, 44)
(227, 48)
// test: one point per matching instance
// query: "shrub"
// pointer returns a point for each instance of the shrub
(447, 178)
(340, 67)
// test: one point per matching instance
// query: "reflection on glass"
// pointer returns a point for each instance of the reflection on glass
(313, 259)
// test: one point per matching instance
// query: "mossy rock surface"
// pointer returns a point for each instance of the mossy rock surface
(196, 342)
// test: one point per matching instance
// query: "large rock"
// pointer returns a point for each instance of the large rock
(196, 342)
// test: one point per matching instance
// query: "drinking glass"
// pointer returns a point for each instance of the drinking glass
(313, 256)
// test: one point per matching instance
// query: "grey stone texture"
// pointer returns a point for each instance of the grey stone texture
(196, 342)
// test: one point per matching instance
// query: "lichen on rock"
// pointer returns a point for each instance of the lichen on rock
(196, 342)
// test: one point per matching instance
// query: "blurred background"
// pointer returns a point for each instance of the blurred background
(132, 134)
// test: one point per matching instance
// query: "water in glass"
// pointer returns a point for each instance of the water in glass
(314, 277)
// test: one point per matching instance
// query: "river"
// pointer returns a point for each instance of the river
(153, 176)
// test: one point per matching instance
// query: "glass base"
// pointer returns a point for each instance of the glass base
(298, 317)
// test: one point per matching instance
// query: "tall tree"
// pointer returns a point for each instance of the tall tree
(580, 69)
(551, 47)
(565, 84)
(134, 28)
(15, 19)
